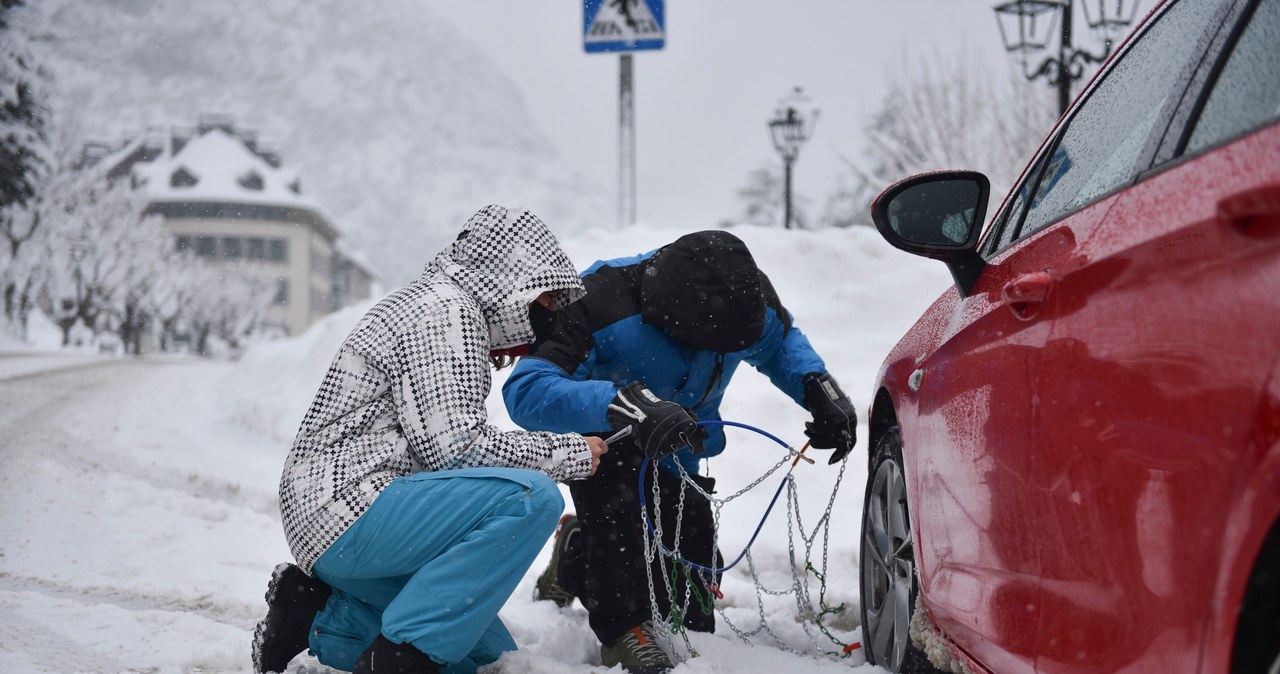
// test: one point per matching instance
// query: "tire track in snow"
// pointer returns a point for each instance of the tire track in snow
(67, 453)
(33, 403)
(168, 479)
(233, 613)
(50, 368)
(25, 637)
(31, 406)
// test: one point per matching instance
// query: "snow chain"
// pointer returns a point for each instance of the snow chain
(699, 583)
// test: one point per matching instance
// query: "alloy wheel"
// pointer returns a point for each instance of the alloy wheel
(888, 566)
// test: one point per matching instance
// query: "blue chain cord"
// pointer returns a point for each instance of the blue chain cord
(644, 468)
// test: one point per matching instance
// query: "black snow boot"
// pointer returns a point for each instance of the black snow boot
(387, 657)
(560, 580)
(293, 600)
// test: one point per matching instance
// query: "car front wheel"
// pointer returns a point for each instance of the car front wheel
(887, 564)
(1257, 647)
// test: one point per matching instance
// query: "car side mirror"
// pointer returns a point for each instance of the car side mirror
(937, 215)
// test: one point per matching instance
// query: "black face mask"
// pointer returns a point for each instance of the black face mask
(543, 321)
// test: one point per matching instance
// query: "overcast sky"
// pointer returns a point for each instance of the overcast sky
(702, 102)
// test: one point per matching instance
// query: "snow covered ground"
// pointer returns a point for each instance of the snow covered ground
(138, 512)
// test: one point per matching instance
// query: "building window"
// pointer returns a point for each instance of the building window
(320, 263)
(230, 247)
(339, 277)
(251, 181)
(282, 292)
(320, 303)
(183, 178)
(279, 251)
(184, 245)
(257, 249)
(205, 246)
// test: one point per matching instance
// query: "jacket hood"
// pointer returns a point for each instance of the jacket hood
(704, 289)
(505, 258)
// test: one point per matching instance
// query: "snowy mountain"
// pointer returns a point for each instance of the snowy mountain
(399, 126)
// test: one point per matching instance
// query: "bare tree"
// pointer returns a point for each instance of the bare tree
(946, 113)
(761, 200)
(847, 205)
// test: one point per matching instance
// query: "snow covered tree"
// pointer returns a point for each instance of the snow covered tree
(23, 157)
(224, 308)
(172, 299)
(24, 160)
(101, 256)
(99, 264)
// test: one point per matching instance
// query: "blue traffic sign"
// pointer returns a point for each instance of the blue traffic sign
(623, 25)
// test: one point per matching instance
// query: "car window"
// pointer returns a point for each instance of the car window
(1006, 226)
(1100, 148)
(1247, 93)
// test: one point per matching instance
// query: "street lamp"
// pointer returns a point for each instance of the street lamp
(790, 127)
(79, 246)
(1027, 26)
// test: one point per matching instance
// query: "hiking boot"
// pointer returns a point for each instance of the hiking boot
(293, 600)
(549, 587)
(384, 656)
(637, 651)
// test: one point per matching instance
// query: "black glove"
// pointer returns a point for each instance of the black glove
(835, 422)
(661, 426)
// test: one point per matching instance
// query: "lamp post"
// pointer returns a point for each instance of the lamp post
(79, 246)
(790, 127)
(1027, 27)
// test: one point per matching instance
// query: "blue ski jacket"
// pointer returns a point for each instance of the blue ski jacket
(609, 338)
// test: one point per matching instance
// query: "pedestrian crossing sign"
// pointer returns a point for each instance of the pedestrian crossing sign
(623, 25)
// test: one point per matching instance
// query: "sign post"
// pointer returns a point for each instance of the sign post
(624, 26)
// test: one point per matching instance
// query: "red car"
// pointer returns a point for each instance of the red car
(1075, 452)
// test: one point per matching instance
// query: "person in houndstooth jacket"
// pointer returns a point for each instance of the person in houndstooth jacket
(411, 518)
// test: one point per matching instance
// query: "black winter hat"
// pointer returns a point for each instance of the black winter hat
(704, 290)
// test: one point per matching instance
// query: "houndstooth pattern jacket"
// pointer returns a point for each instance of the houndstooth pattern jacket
(406, 392)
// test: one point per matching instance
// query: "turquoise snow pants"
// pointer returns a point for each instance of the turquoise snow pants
(431, 562)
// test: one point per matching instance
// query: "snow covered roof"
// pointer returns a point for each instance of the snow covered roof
(217, 166)
(212, 171)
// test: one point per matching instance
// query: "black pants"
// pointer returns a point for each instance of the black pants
(609, 575)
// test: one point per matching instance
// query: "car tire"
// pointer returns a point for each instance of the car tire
(1257, 647)
(887, 564)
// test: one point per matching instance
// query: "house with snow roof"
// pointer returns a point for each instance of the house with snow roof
(230, 202)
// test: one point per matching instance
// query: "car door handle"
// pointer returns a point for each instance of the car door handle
(1253, 212)
(1026, 294)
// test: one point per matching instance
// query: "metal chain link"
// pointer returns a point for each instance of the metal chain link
(669, 626)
